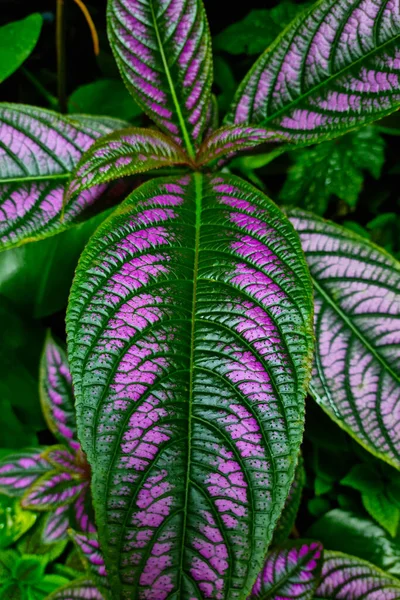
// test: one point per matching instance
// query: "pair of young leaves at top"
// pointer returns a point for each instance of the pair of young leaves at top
(190, 316)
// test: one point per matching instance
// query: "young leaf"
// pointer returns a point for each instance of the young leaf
(229, 140)
(53, 490)
(17, 40)
(18, 471)
(56, 393)
(125, 152)
(38, 151)
(334, 168)
(55, 525)
(80, 589)
(336, 67)
(291, 572)
(258, 29)
(289, 513)
(189, 346)
(350, 578)
(89, 550)
(356, 371)
(164, 54)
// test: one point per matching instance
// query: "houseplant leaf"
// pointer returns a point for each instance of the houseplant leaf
(289, 512)
(17, 40)
(126, 152)
(164, 55)
(38, 151)
(199, 323)
(356, 371)
(80, 589)
(290, 572)
(334, 68)
(56, 393)
(19, 470)
(345, 576)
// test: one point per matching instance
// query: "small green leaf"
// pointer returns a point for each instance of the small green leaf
(257, 30)
(322, 486)
(17, 40)
(318, 506)
(334, 168)
(29, 569)
(104, 97)
(363, 478)
(382, 510)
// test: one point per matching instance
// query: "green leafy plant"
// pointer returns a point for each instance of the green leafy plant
(190, 317)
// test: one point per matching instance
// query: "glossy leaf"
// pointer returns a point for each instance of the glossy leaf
(53, 490)
(289, 513)
(81, 589)
(17, 40)
(56, 393)
(189, 345)
(38, 151)
(346, 531)
(348, 578)
(127, 152)
(164, 55)
(290, 572)
(334, 168)
(89, 550)
(356, 372)
(18, 471)
(336, 67)
(229, 140)
(115, 100)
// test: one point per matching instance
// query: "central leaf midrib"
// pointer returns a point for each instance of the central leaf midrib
(181, 120)
(197, 177)
(33, 178)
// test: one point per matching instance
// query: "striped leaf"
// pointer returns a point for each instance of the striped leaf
(125, 152)
(290, 573)
(334, 68)
(53, 490)
(189, 343)
(56, 525)
(227, 141)
(164, 54)
(38, 151)
(356, 372)
(18, 471)
(80, 589)
(348, 578)
(56, 393)
(88, 547)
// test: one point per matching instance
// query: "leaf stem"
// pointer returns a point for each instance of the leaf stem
(61, 56)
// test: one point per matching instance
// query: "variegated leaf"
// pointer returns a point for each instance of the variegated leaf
(290, 573)
(335, 68)
(356, 372)
(63, 460)
(348, 578)
(38, 151)
(18, 471)
(227, 141)
(80, 589)
(82, 512)
(56, 525)
(53, 490)
(126, 152)
(164, 54)
(189, 329)
(89, 550)
(56, 393)
(289, 513)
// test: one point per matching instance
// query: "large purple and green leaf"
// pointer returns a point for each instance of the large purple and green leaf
(345, 577)
(163, 51)
(38, 151)
(356, 373)
(334, 68)
(190, 346)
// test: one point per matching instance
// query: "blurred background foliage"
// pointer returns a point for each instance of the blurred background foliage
(351, 501)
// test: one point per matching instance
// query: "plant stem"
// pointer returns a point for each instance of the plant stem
(61, 57)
